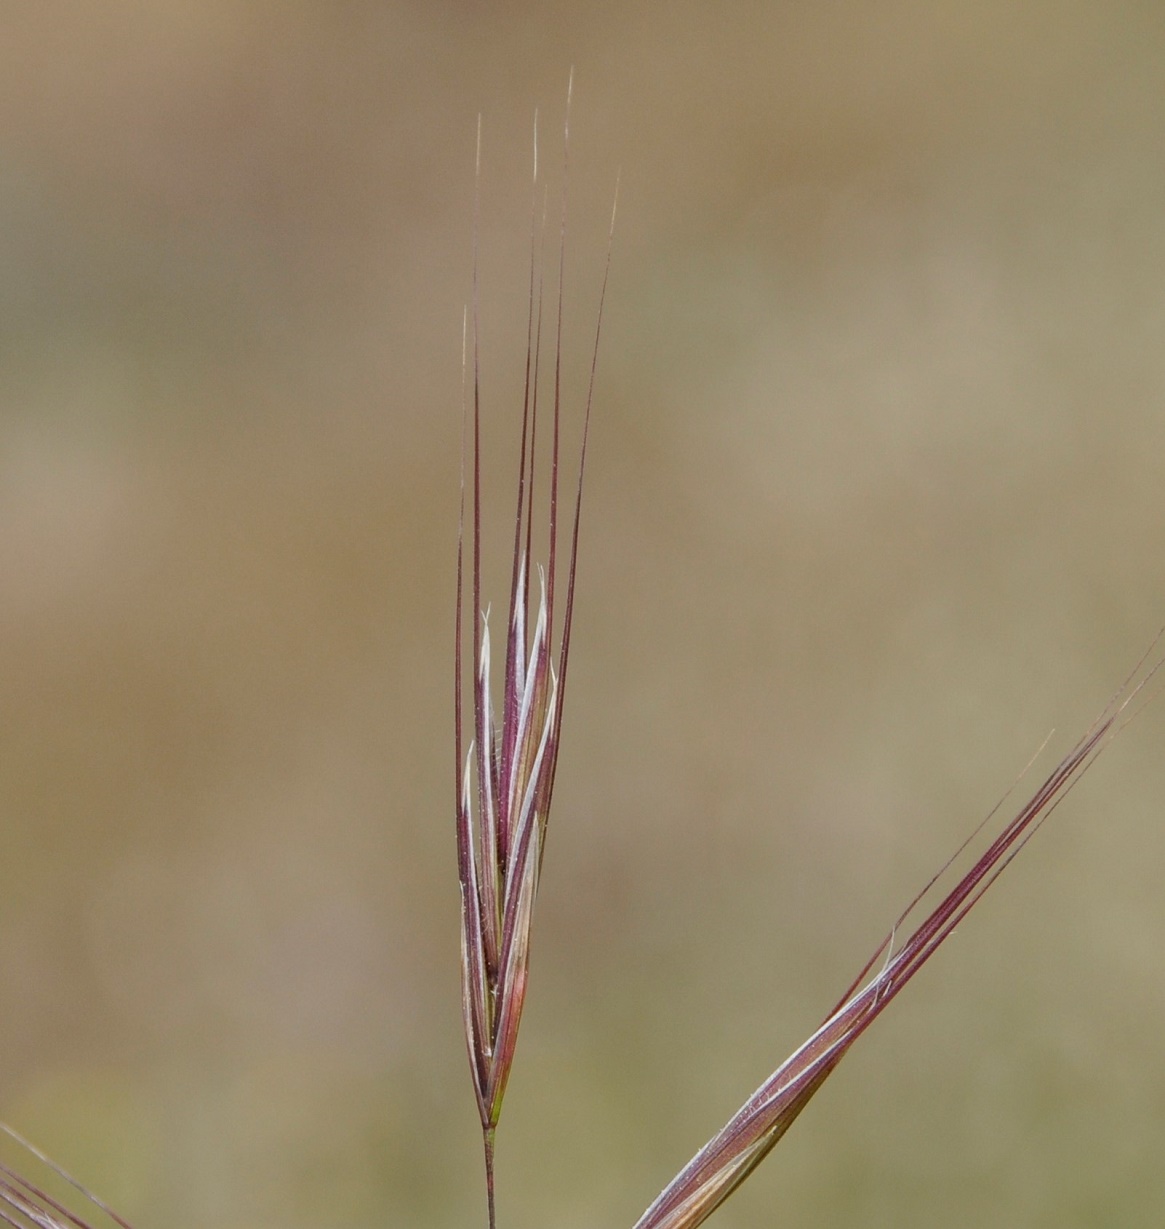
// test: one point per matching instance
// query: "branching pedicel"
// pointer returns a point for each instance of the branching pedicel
(500, 841)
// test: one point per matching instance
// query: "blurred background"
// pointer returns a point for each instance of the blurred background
(876, 498)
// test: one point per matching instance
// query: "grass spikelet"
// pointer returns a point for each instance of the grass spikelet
(746, 1139)
(505, 777)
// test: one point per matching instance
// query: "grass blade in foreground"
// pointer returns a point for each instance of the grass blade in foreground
(506, 777)
(27, 1205)
(734, 1152)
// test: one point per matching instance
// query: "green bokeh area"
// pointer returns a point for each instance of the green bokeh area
(876, 499)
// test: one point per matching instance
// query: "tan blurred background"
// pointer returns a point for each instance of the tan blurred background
(876, 498)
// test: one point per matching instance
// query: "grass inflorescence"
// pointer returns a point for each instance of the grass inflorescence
(504, 787)
(505, 778)
(506, 754)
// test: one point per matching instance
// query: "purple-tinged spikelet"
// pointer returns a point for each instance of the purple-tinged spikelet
(505, 777)
(746, 1139)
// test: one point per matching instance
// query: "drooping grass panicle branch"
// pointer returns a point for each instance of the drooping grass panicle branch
(25, 1205)
(735, 1151)
(505, 778)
